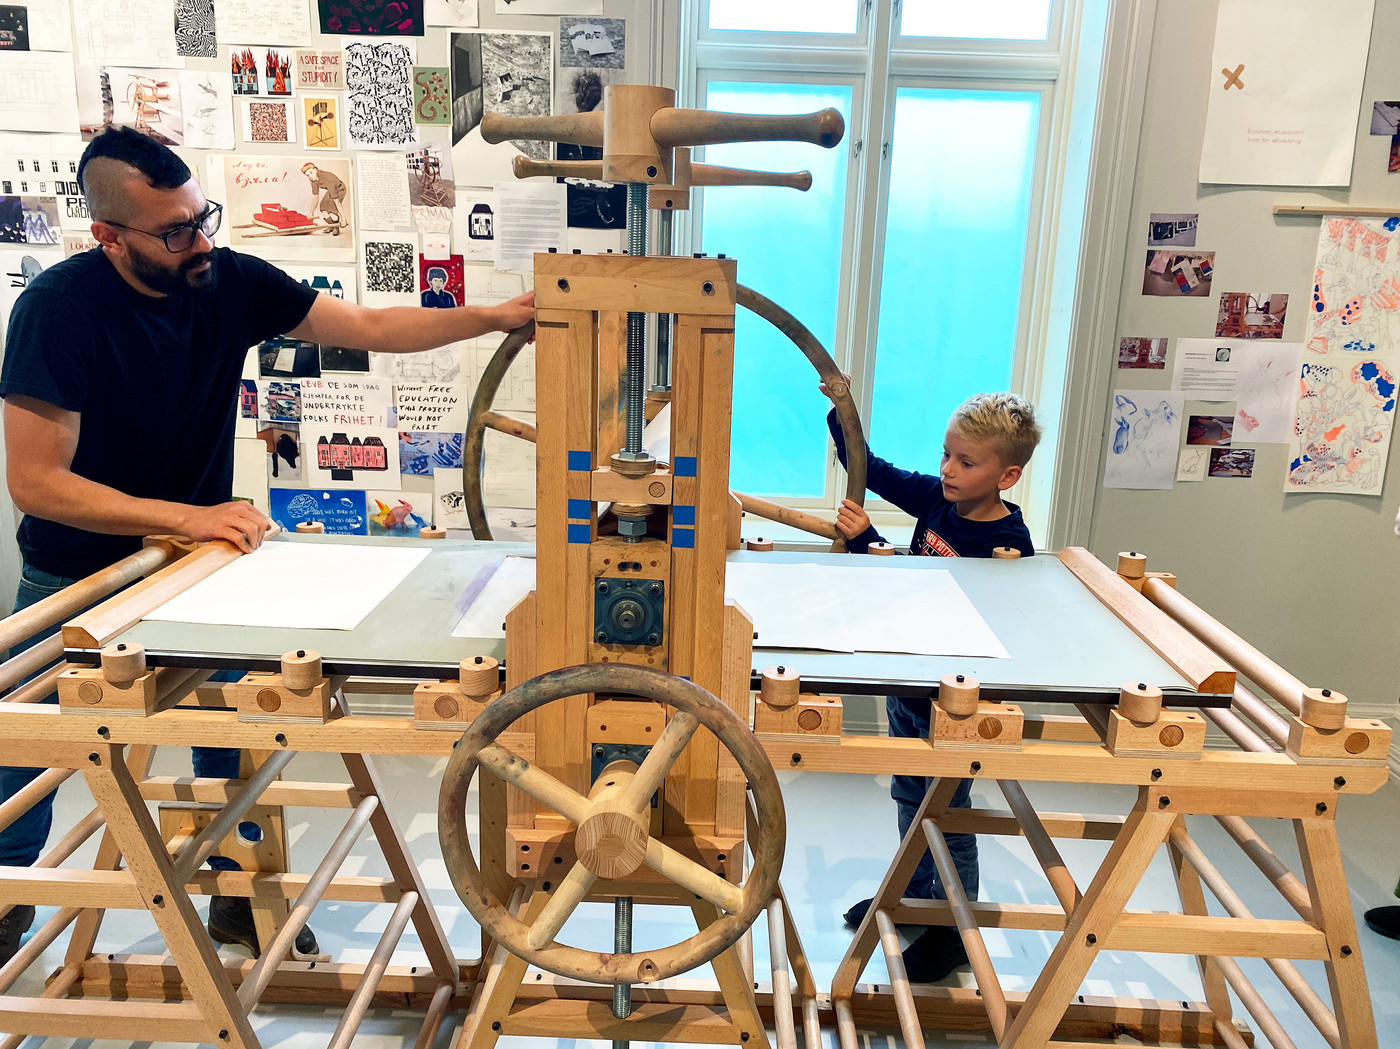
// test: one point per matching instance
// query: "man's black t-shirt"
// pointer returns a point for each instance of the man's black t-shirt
(155, 381)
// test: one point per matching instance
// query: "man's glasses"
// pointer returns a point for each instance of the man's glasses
(182, 237)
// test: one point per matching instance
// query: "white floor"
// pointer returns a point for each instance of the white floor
(841, 835)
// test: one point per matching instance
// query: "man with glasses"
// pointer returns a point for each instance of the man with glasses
(121, 378)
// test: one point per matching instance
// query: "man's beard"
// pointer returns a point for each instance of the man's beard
(181, 280)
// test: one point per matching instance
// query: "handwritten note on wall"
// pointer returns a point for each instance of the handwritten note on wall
(433, 407)
(346, 401)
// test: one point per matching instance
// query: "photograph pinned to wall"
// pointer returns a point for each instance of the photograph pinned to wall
(1231, 462)
(336, 281)
(1211, 430)
(46, 25)
(147, 100)
(398, 513)
(457, 14)
(592, 56)
(269, 120)
(1341, 436)
(286, 206)
(1192, 464)
(320, 117)
(449, 500)
(284, 357)
(508, 73)
(245, 75)
(207, 104)
(247, 399)
(440, 283)
(351, 456)
(1266, 391)
(265, 71)
(1143, 439)
(30, 220)
(432, 95)
(1176, 273)
(430, 179)
(1176, 230)
(389, 264)
(379, 93)
(1356, 287)
(1250, 315)
(1393, 161)
(282, 451)
(1385, 118)
(371, 17)
(1136, 352)
(592, 203)
(549, 7)
(279, 402)
(320, 70)
(420, 452)
(474, 224)
(341, 513)
(194, 29)
(14, 27)
(343, 359)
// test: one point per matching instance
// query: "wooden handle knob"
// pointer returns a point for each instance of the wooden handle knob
(1005, 553)
(123, 663)
(881, 549)
(1322, 707)
(714, 175)
(781, 687)
(958, 694)
(301, 668)
(311, 528)
(528, 167)
(1132, 565)
(479, 676)
(1138, 701)
(432, 533)
(583, 129)
(699, 127)
(760, 544)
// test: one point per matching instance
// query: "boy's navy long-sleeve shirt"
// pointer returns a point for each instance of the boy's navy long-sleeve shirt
(938, 529)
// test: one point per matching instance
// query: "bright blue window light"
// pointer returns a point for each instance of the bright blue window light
(785, 16)
(984, 20)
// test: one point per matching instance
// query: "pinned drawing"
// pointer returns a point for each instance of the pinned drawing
(432, 95)
(430, 180)
(207, 108)
(1266, 391)
(287, 206)
(372, 17)
(1144, 435)
(379, 94)
(321, 122)
(440, 282)
(194, 29)
(1341, 439)
(1356, 287)
(509, 73)
(391, 514)
(147, 100)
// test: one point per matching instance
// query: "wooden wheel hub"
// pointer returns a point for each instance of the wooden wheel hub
(612, 844)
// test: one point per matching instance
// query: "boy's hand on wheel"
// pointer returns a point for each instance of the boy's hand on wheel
(826, 392)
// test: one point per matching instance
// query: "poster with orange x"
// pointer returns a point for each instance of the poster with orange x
(1285, 92)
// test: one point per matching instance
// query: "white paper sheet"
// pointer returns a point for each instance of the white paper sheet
(39, 91)
(295, 585)
(1285, 92)
(383, 191)
(1267, 392)
(1207, 369)
(263, 22)
(530, 217)
(207, 100)
(127, 33)
(459, 14)
(1193, 464)
(1143, 438)
(50, 25)
(513, 579)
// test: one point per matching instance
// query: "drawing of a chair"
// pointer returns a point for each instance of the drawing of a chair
(321, 115)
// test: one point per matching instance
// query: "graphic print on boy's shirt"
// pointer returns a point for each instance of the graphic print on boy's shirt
(934, 545)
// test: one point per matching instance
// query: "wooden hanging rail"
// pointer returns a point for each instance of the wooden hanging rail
(1358, 210)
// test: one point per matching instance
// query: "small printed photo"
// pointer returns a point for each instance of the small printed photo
(247, 399)
(1394, 164)
(282, 402)
(1142, 353)
(1385, 118)
(1175, 273)
(1231, 462)
(341, 359)
(1214, 430)
(1250, 315)
(1172, 231)
(281, 357)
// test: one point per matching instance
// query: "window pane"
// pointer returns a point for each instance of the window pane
(987, 19)
(785, 16)
(788, 246)
(955, 248)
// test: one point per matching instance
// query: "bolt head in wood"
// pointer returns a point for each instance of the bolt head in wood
(301, 668)
(1327, 712)
(780, 687)
(123, 664)
(479, 676)
(1140, 702)
(958, 694)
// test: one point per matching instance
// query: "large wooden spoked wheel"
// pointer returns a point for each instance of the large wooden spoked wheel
(483, 416)
(613, 837)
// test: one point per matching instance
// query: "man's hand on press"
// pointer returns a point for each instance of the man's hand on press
(851, 520)
(827, 392)
(239, 522)
(512, 313)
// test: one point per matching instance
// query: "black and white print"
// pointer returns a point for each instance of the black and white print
(598, 43)
(517, 75)
(194, 29)
(465, 62)
(379, 94)
(390, 266)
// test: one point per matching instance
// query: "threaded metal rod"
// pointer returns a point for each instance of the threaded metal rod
(622, 944)
(636, 323)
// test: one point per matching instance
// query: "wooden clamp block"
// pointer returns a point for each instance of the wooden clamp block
(881, 549)
(630, 151)
(780, 687)
(1166, 577)
(959, 694)
(122, 686)
(633, 721)
(810, 719)
(1140, 702)
(300, 693)
(611, 487)
(760, 544)
(432, 533)
(959, 719)
(1323, 708)
(1132, 568)
(676, 196)
(311, 528)
(177, 546)
(453, 705)
(1173, 734)
(1323, 733)
(1005, 553)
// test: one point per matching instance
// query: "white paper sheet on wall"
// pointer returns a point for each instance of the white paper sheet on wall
(530, 217)
(127, 33)
(39, 91)
(1144, 435)
(263, 22)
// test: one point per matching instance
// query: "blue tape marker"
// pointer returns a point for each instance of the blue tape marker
(685, 466)
(580, 461)
(580, 533)
(683, 515)
(682, 538)
(580, 508)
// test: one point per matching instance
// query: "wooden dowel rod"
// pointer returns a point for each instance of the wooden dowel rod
(783, 1023)
(361, 1000)
(265, 968)
(582, 129)
(1061, 881)
(1243, 656)
(39, 689)
(1357, 210)
(37, 944)
(1266, 719)
(565, 899)
(716, 175)
(982, 969)
(25, 799)
(899, 982)
(688, 874)
(1233, 726)
(36, 657)
(437, 1010)
(845, 1024)
(1254, 1004)
(73, 599)
(535, 782)
(73, 840)
(56, 989)
(1231, 1038)
(219, 827)
(698, 127)
(528, 167)
(664, 753)
(811, 1025)
(1308, 999)
(508, 424)
(788, 516)
(1289, 885)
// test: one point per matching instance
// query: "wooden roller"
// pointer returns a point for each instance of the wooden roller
(958, 694)
(760, 544)
(301, 669)
(781, 687)
(311, 528)
(1005, 553)
(1132, 565)
(123, 663)
(881, 549)
(1140, 702)
(1322, 708)
(479, 676)
(582, 129)
(432, 533)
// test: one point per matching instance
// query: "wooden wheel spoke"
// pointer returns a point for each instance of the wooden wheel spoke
(771, 511)
(510, 425)
(664, 753)
(537, 783)
(556, 912)
(688, 874)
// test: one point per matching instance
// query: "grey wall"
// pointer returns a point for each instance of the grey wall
(1310, 579)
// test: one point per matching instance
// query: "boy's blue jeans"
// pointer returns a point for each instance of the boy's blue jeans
(909, 719)
(22, 841)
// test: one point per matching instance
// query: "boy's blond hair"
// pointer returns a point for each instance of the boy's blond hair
(1005, 421)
